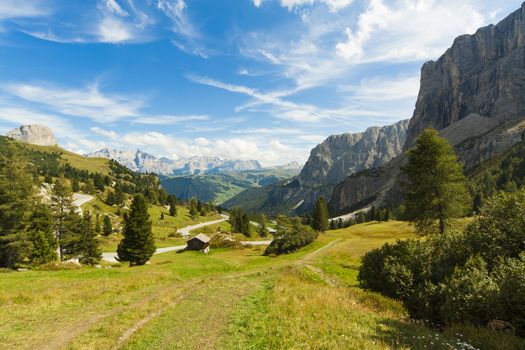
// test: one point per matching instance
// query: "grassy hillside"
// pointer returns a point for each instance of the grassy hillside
(219, 188)
(228, 299)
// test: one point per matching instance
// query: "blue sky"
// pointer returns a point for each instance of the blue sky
(244, 79)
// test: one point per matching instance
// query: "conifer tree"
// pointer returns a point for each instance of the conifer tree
(16, 198)
(172, 199)
(138, 244)
(263, 230)
(62, 207)
(42, 236)
(435, 190)
(194, 212)
(108, 228)
(88, 246)
(320, 216)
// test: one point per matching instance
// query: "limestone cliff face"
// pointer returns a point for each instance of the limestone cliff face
(35, 134)
(474, 95)
(329, 163)
(481, 74)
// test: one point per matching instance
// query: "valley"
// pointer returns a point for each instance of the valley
(192, 300)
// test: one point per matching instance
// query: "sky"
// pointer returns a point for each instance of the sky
(242, 79)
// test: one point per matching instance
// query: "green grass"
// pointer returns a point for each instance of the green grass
(228, 299)
(96, 165)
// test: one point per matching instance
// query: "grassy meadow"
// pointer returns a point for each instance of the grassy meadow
(228, 299)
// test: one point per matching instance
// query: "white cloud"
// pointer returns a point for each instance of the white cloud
(21, 9)
(106, 133)
(415, 30)
(384, 89)
(188, 36)
(113, 6)
(334, 5)
(88, 102)
(257, 3)
(268, 152)
(113, 30)
(169, 119)
(17, 116)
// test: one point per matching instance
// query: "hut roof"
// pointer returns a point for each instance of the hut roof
(201, 237)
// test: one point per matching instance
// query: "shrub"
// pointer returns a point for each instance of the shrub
(477, 276)
(223, 241)
(290, 238)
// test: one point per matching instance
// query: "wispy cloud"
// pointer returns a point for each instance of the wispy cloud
(22, 9)
(106, 133)
(188, 37)
(88, 102)
(169, 119)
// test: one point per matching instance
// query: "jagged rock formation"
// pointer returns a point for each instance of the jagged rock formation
(35, 134)
(473, 94)
(147, 163)
(329, 163)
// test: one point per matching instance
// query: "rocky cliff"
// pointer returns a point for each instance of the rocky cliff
(473, 94)
(35, 134)
(329, 163)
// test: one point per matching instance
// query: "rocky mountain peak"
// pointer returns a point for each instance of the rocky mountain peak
(35, 134)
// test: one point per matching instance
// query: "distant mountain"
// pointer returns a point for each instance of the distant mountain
(34, 134)
(473, 95)
(329, 163)
(147, 163)
(220, 186)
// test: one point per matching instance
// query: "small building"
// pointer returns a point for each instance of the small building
(201, 242)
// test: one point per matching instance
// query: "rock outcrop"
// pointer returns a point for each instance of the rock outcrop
(35, 134)
(474, 95)
(329, 163)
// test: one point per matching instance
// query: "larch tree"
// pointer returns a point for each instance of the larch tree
(42, 236)
(62, 207)
(320, 216)
(435, 188)
(88, 245)
(138, 244)
(107, 227)
(16, 199)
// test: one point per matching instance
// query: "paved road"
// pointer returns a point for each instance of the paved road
(186, 230)
(112, 257)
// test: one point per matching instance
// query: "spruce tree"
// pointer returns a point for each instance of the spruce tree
(194, 212)
(62, 207)
(108, 228)
(42, 236)
(172, 199)
(88, 246)
(320, 216)
(263, 230)
(435, 190)
(138, 244)
(16, 199)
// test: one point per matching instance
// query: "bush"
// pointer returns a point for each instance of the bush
(290, 238)
(224, 241)
(477, 276)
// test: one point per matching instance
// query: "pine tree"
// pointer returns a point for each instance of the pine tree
(69, 243)
(16, 198)
(320, 216)
(62, 206)
(107, 229)
(138, 244)
(172, 199)
(75, 186)
(263, 230)
(245, 225)
(98, 224)
(42, 236)
(194, 212)
(435, 190)
(88, 246)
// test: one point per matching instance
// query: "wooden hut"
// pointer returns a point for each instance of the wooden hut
(200, 242)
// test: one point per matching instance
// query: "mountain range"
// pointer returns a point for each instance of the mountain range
(147, 163)
(329, 163)
(473, 95)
